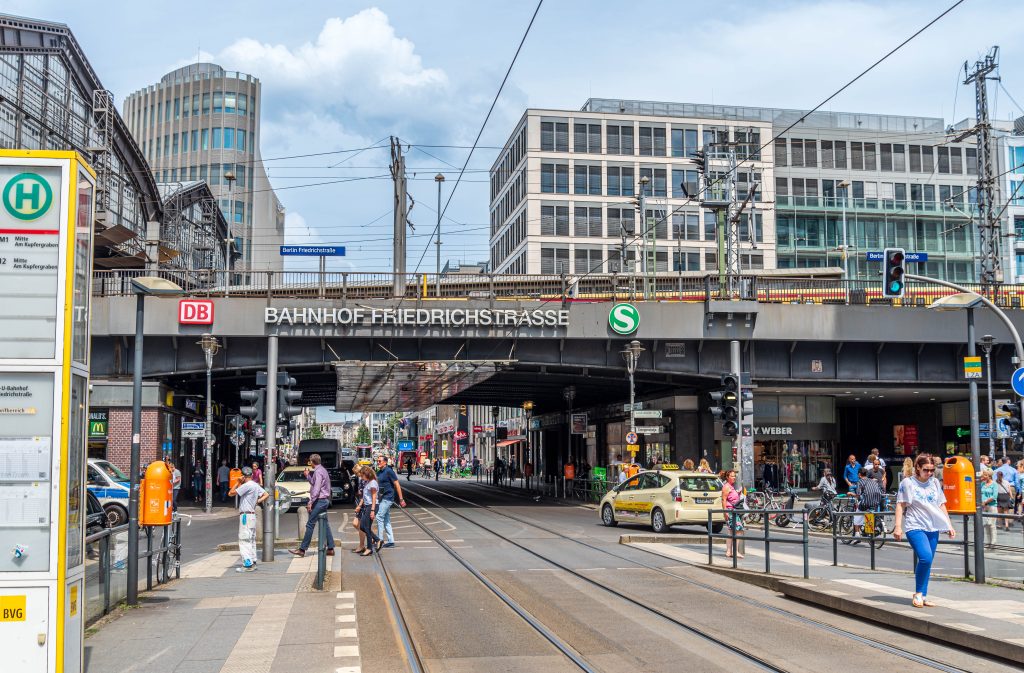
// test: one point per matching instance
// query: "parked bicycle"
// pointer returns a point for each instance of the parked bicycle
(168, 558)
(769, 499)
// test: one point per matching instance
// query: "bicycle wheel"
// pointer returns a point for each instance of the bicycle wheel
(820, 518)
(844, 528)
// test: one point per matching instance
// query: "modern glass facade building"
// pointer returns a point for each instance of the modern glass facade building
(563, 187)
(202, 123)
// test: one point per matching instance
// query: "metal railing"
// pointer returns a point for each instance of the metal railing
(108, 573)
(564, 288)
(321, 551)
(767, 539)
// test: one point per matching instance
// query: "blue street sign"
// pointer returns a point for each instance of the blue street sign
(406, 445)
(911, 257)
(313, 250)
(1017, 381)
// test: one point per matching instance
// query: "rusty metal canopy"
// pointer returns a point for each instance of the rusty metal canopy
(405, 384)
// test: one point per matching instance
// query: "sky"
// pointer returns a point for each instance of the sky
(346, 75)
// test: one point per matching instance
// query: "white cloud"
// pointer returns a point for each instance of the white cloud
(351, 59)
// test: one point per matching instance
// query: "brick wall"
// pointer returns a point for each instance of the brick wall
(119, 437)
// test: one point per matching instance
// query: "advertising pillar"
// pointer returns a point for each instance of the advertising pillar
(46, 223)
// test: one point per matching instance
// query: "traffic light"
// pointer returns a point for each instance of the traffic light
(727, 405)
(256, 408)
(701, 157)
(285, 397)
(1013, 423)
(892, 278)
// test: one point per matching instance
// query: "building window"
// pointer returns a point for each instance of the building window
(710, 226)
(240, 139)
(587, 138)
(658, 185)
(685, 184)
(554, 178)
(658, 220)
(749, 145)
(684, 142)
(174, 151)
(750, 260)
(206, 103)
(229, 138)
(554, 220)
(587, 259)
(587, 221)
(956, 161)
(857, 156)
(780, 152)
(870, 154)
(686, 260)
(218, 101)
(797, 154)
(972, 160)
(243, 103)
(217, 134)
(621, 220)
(899, 159)
(686, 226)
(554, 260)
(810, 153)
(743, 228)
(652, 141)
(205, 139)
(554, 136)
(587, 179)
(886, 156)
(619, 139)
(195, 140)
(620, 181)
(943, 153)
(177, 108)
(229, 102)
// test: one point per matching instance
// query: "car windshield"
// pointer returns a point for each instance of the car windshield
(292, 475)
(700, 483)
(111, 470)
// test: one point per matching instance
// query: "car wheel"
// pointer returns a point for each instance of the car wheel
(658, 521)
(116, 515)
(717, 528)
(608, 516)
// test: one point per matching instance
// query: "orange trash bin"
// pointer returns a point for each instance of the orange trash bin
(234, 477)
(156, 494)
(958, 485)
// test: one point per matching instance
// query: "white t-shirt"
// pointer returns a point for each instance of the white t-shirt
(924, 503)
(368, 491)
(248, 493)
(176, 478)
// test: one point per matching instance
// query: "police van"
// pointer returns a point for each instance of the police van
(110, 486)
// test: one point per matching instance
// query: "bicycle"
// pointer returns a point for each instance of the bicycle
(768, 500)
(170, 556)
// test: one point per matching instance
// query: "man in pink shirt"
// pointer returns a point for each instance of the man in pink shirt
(319, 501)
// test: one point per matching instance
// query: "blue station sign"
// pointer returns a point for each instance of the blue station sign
(911, 257)
(312, 250)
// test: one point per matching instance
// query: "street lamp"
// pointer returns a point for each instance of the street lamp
(527, 412)
(210, 346)
(845, 186)
(569, 394)
(229, 175)
(142, 287)
(986, 345)
(439, 179)
(644, 181)
(631, 354)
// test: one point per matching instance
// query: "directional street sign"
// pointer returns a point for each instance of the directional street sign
(910, 257)
(191, 430)
(631, 437)
(647, 413)
(1017, 381)
(650, 429)
(637, 406)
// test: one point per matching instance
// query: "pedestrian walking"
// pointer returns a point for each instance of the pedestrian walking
(1020, 487)
(989, 498)
(367, 511)
(731, 498)
(869, 499)
(908, 469)
(703, 466)
(1004, 497)
(876, 471)
(388, 486)
(319, 501)
(175, 484)
(921, 512)
(250, 494)
(223, 480)
(827, 485)
(437, 470)
(198, 483)
(408, 467)
(851, 473)
(1007, 503)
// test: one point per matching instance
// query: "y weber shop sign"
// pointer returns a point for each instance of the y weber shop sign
(416, 317)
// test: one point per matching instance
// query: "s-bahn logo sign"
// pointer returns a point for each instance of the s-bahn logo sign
(624, 319)
(27, 196)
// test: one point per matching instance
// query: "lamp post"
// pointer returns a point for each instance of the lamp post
(631, 354)
(494, 434)
(569, 394)
(644, 181)
(986, 346)
(142, 287)
(210, 346)
(845, 186)
(439, 179)
(527, 412)
(229, 175)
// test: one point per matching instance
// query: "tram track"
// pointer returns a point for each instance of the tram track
(727, 647)
(746, 600)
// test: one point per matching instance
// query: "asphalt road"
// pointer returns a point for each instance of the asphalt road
(458, 625)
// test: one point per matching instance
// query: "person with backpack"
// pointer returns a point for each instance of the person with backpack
(869, 499)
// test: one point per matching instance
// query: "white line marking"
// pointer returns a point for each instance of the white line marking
(345, 633)
(345, 619)
(346, 650)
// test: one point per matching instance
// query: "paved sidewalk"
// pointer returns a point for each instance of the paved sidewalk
(984, 618)
(216, 620)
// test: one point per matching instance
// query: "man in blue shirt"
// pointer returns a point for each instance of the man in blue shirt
(851, 474)
(387, 482)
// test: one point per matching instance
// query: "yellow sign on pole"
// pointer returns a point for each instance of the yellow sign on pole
(972, 367)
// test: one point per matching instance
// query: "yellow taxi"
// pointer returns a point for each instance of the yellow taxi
(664, 498)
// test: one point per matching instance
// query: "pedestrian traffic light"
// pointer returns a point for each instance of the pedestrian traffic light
(893, 283)
(1013, 423)
(257, 400)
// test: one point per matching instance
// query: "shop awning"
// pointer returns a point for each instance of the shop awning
(507, 442)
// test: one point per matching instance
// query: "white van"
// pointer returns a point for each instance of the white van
(110, 486)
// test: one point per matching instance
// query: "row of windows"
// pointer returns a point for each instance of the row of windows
(871, 233)
(198, 140)
(509, 240)
(509, 160)
(645, 140)
(863, 156)
(587, 221)
(588, 259)
(624, 181)
(509, 201)
(889, 191)
(212, 175)
(219, 102)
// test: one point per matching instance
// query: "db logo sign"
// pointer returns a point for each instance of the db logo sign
(195, 312)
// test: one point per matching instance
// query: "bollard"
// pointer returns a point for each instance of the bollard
(807, 552)
(303, 517)
(710, 539)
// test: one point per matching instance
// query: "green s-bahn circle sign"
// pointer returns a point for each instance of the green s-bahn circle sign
(27, 196)
(624, 319)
